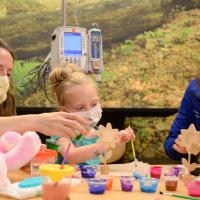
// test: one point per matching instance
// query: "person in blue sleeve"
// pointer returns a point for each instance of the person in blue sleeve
(188, 113)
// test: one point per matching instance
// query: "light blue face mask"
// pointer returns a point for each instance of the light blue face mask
(94, 115)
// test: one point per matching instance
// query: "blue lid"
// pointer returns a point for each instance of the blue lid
(31, 182)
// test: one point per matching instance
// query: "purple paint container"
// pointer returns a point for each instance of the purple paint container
(175, 171)
(126, 183)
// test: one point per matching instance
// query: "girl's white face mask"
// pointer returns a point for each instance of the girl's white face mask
(94, 115)
(4, 86)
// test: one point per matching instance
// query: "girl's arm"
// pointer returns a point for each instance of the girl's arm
(79, 154)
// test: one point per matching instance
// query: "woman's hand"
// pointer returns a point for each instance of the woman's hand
(126, 135)
(60, 124)
(177, 146)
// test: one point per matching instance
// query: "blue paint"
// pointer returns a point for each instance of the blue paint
(148, 185)
(97, 185)
(31, 182)
(137, 175)
(88, 171)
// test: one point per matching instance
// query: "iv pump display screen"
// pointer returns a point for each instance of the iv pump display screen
(72, 44)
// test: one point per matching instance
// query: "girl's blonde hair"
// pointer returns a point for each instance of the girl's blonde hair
(64, 78)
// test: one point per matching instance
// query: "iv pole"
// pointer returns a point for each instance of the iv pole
(64, 6)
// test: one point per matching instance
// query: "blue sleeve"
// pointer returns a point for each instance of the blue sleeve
(182, 121)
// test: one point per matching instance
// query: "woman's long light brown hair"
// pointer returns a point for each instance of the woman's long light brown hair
(8, 107)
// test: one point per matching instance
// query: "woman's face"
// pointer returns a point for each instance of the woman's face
(81, 98)
(6, 62)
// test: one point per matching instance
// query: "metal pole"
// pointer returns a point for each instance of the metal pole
(64, 5)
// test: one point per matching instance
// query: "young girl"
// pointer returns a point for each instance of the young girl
(76, 92)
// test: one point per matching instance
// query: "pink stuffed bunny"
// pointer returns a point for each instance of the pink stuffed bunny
(15, 151)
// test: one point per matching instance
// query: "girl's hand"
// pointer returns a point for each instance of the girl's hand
(178, 147)
(126, 135)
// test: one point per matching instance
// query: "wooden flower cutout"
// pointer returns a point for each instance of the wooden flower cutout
(105, 156)
(191, 140)
(104, 169)
(107, 135)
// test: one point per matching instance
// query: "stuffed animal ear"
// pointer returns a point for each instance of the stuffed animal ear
(26, 148)
(4, 181)
(8, 140)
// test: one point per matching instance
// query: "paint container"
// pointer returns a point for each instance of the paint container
(88, 171)
(44, 156)
(138, 174)
(56, 182)
(96, 185)
(194, 188)
(175, 171)
(109, 181)
(126, 183)
(171, 183)
(155, 171)
(51, 144)
(148, 185)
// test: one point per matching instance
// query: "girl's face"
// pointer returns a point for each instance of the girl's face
(81, 98)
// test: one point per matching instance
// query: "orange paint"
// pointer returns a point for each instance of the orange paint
(109, 182)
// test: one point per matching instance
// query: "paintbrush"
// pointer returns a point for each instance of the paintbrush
(65, 155)
(64, 159)
(133, 151)
(178, 196)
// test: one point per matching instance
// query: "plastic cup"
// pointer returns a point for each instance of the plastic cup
(56, 190)
(126, 183)
(44, 156)
(171, 183)
(96, 185)
(148, 185)
(155, 171)
(51, 144)
(175, 171)
(88, 171)
(138, 174)
(56, 182)
(109, 181)
(194, 188)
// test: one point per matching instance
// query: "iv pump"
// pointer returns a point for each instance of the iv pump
(76, 45)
